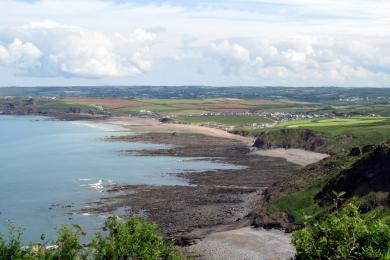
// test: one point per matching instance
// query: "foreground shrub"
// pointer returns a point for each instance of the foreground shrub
(133, 238)
(13, 248)
(346, 234)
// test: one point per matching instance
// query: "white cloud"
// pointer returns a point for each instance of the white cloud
(250, 41)
(22, 55)
(45, 24)
(232, 50)
(294, 56)
(302, 59)
(75, 51)
(144, 36)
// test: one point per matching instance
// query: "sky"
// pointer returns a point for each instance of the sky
(215, 43)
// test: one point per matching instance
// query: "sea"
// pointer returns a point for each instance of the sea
(51, 169)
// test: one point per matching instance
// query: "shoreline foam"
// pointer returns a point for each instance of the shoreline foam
(105, 126)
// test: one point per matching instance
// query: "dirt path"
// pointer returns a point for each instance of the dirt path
(244, 243)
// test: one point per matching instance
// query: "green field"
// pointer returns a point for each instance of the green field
(57, 106)
(351, 118)
(333, 123)
(177, 107)
(166, 107)
(381, 108)
(366, 130)
(287, 106)
(229, 120)
(173, 101)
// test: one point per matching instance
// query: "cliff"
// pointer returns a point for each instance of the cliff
(364, 178)
(302, 138)
(368, 179)
(17, 106)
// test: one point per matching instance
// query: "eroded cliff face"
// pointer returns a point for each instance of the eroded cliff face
(285, 138)
(301, 138)
(368, 179)
(45, 107)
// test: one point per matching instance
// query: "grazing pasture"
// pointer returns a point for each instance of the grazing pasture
(112, 103)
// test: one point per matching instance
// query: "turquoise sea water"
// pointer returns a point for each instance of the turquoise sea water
(48, 169)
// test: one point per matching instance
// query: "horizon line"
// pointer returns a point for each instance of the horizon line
(199, 86)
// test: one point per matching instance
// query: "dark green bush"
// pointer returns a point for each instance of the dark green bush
(346, 234)
(133, 238)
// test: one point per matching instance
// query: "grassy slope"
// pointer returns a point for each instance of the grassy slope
(298, 204)
(296, 196)
(309, 192)
(366, 130)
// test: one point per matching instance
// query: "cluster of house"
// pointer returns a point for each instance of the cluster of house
(97, 107)
(262, 125)
(282, 116)
(49, 97)
(145, 112)
(352, 99)
(356, 99)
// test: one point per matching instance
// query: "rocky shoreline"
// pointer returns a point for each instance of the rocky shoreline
(213, 200)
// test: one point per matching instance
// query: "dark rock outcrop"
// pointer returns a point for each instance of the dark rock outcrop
(259, 143)
(367, 148)
(284, 222)
(367, 176)
(167, 120)
(355, 151)
(312, 141)
(305, 139)
(75, 110)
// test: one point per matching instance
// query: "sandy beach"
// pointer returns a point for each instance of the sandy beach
(145, 125)
(153, 125)
(297, 156)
